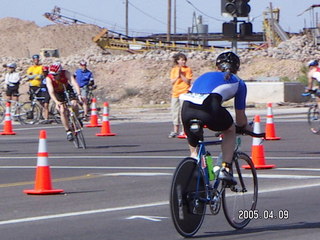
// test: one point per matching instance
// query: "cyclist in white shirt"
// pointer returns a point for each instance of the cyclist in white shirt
(12, 80)
(314, 75)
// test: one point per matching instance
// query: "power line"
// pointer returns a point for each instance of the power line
(150, 16)
(220, 20)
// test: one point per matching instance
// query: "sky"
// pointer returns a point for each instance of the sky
(150, 16)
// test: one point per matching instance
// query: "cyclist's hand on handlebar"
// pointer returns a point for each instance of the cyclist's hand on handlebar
(58, 105)
(80, 98)
(247, 130)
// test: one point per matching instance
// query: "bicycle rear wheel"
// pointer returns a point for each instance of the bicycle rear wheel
(187, 205)
(28, 113)
(243, 196)
(314, 119)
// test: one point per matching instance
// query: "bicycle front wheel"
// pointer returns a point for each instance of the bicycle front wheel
(314, 119)
(78, 140)
(240, 201)
(187, 197)
(28, 113)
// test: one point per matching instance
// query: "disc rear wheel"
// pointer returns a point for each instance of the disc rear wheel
(187, 197)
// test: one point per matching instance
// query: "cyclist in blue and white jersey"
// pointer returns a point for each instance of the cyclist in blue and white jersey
(85, 79)
(204, 102)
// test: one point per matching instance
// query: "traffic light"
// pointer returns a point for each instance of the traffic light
(245, 29)
(229, 7)
(229, 29)
(235, 8)
(243, 8)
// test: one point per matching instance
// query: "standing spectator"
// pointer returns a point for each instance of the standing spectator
(45, 94)
(12, 80)
(35, 75)
(84, 78)
(181, 76)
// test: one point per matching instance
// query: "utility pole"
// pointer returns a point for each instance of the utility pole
(127, 17)
(169, 21)
(272, 26)
(175, 17)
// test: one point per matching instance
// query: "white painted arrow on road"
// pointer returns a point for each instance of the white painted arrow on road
(149, 218)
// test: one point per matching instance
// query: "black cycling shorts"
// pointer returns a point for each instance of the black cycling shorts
(61, 96)
(12, 90)
(210, 113)
(45, 95)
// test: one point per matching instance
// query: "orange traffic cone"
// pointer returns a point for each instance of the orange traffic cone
(257, 148)
(94, 116)
(7, 128)
(43, 177)
(270, 126)
(105, 129)
(182, 135)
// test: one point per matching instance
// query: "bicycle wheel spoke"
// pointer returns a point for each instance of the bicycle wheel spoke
(188, 197)
(243, 196)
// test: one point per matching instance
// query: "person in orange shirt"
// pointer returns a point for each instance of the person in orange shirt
(180, 76)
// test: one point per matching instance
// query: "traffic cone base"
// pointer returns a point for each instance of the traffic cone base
(182, 136)
(43, 184)
(105, 134)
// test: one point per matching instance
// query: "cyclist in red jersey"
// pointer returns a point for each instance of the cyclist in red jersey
(57, 80)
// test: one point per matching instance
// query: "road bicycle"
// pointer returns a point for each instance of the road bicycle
(90, 94)
(191, 191)
(313, 111)
(31, 112)
(74, 123)
(14, 105)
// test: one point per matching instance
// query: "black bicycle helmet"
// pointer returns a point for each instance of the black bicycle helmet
(36, 56)
(228, 61)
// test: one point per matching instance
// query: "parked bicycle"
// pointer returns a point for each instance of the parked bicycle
(313, 111)
(14, 105)
(191, 190)
(30, 112)
(74, 123)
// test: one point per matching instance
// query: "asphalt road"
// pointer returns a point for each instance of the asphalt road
(118, 188)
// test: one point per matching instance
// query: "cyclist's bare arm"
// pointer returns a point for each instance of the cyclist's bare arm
(241, 119)
(74, 84)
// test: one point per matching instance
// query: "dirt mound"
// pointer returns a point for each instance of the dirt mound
(23, 38)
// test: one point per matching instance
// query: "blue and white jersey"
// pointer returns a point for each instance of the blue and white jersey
(214, 82)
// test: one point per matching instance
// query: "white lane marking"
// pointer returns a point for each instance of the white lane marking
(146, 168)
(72, 214)
(156, 204)
(91, 167)
(136, 157)
(137, 174)
(149, 218)
(96, 157)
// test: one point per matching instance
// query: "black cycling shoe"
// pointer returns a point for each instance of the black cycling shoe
(226, 176)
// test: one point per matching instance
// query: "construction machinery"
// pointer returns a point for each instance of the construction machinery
(273, 32)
